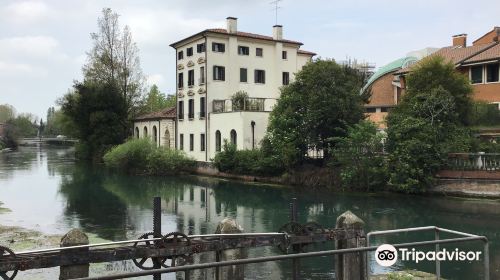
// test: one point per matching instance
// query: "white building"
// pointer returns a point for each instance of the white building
(157, 126)
(212, 66)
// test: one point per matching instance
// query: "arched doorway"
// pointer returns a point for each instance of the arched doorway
(166, 138)
(155, 134)
(217, 141)
(233, 137)
(136, 132)
(145, 132)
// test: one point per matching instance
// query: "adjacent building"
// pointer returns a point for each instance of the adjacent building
(157, 126)
(216, 64)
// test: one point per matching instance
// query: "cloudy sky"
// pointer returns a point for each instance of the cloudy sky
(43, 43)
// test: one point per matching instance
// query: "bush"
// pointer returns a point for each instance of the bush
(360, 157)
(141, 156)
(248, 162)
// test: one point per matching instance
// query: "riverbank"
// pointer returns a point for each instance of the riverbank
(468, 188)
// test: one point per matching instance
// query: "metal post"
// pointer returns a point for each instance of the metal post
(486, 260)
(438, 263)
(295, 262)
(156, 229)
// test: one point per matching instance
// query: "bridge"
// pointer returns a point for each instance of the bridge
(48, 141)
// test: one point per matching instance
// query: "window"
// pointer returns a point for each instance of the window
(202, 142)
(492, 73)
(136, 132)
(191, 108)
(200, 48)
(371, 110)
(218, 47)
(217, 141)
(284, 55)
(219, 73)
(385, 109)
(260, 76)
(145, 132)
(202, 107)
(286, 78)
(233, 137)
(243, 75)
(476, 74)
(155, 134)
(180, 55)
(189, 51)
(191, 142)
(190, 78)
(181, 141)
(181, 110)
(180, 81)
(242, 50)
(259, 52)
(202, 75)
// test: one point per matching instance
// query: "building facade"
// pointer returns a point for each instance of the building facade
(157, 126)
(216, 64)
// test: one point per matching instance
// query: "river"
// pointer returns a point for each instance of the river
(48, 192)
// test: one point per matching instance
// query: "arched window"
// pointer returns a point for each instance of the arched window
(145, 132)
(233, 137)
(217, 141)
(136, 132)
(166, 138)
(155, 134)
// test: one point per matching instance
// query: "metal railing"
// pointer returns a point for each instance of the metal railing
(187, 268)
(474, 161)
(437, 230)
(251, 104)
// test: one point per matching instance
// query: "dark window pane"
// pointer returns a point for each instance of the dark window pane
(476, 74)
(189, 51)
(191, 142)
(202, 142)
(260, 76)
(258, 52)
(191, 108)
(181, 141)
(286, 78)
(219, 73)
(181, 110)
(492, 73)
(371, 110)
(242, 50)
(217, 141)
(180, 81)
(202, 107)
(218, 47)
(243, 75)
(191, 78)
(284, 54)
(180, 55)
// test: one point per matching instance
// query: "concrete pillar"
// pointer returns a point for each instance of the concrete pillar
(234, 272)
(74, 237)
(351, 266)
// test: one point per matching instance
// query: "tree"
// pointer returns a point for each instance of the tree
(319, 105)
(155, 101)
(24, 125)
(98, 113)
(6, 112)
(114, 59)
(428, 124)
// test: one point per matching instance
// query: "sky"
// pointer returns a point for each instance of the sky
(43, 43)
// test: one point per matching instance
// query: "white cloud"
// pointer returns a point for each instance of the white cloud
(155, 79)
(31, 46)
(26, 12)
(8, 70)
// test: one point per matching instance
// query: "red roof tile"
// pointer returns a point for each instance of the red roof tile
(168, 113)
(252, 35)
(306, 52)
(492, 53)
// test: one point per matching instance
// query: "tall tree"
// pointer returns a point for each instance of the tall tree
(156, 100)
(319, 105)
(7, 112)
(114, 58)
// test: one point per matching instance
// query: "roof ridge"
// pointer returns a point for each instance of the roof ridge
(477, 53)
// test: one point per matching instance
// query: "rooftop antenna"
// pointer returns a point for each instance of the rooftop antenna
(276, 8)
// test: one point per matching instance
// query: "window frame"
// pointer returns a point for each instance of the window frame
(202, 142)
(180, 80)
(216, 47)
(245, 70)
(221, 76)
(203, 107)
(180, 55)
(181, 141)
(191, 78)
(189, 51)
(218, 141)
(256, 76)
(486, 69)
(201, 48)
(284, 55)
(191, 108)
(191, 142)
(482, 74)
(285, 76)
(180, 113)
(243, 50)
(261, 52)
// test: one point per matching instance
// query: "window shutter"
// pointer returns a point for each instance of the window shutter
(223, 73)
(213, 47)
(215, 73)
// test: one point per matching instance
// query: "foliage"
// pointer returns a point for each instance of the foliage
(59, 124)
(485, 114)
(142, 156)
(23, 126)
(360, 156)
(6, 112)
(319, 105)
(428, 124)
(156, 100)
(10, 137)
(239, 99)
(249, 162)
(114, 59)
(98, 113)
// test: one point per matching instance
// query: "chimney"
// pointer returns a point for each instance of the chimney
(460, 40)
(232, 24)
(497, 37)
(278, 32)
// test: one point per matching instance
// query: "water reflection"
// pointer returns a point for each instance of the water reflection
(116, 207)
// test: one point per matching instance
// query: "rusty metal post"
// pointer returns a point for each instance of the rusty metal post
(294, 216)
(234, 272)
(73, 238)
(157, 229)
(351, 266)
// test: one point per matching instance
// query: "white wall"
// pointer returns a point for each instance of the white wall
(162, 126)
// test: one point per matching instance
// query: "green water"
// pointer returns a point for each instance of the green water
(48, 192)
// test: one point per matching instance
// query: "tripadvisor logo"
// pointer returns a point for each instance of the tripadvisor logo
(387, 255)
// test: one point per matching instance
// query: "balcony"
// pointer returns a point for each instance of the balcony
(250, 104)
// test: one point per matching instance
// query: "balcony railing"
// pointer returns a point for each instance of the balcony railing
(474, 161)
(247, 104)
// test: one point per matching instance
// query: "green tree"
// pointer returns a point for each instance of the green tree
(319, 105)
(155, 100)
(360, 157)
(114, 58)
(428, 124)
(24, 125)
(6, 112)
(98, 113)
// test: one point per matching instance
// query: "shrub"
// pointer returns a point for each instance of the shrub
(141, 156)
(248, 162)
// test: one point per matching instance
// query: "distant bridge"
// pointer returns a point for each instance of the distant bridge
(50, 141)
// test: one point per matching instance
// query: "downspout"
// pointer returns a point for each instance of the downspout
(176, 103)
(206, 100)
(253, 134)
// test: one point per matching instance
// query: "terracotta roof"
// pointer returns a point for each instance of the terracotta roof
(489, 54)
(168, 113)
(252, 35)
(456, 55)
(306, 52)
